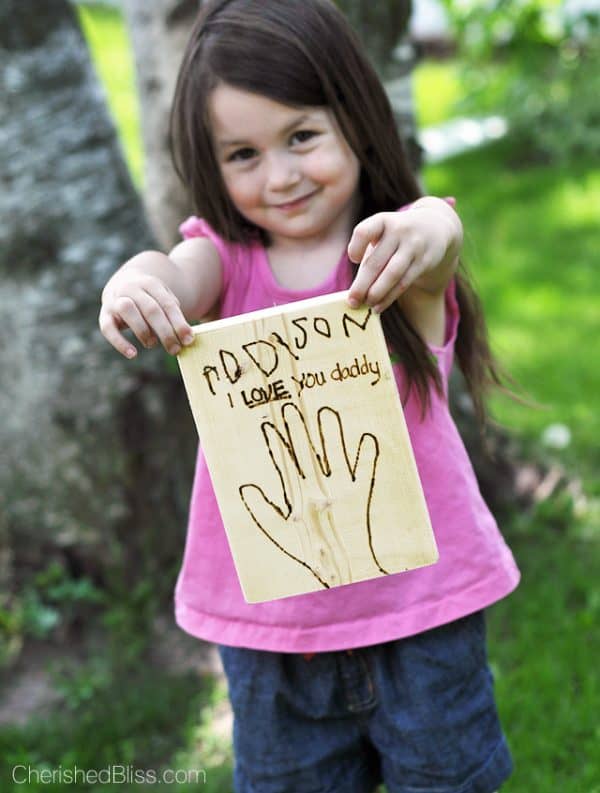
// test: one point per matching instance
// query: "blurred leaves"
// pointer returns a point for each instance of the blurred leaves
(51, 600)
(538, 64)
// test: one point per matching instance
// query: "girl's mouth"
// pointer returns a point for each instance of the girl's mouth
(296, 203)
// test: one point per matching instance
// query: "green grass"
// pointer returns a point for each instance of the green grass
(544, 648)
(532, 244)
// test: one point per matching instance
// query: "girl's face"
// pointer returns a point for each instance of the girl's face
(287, 170)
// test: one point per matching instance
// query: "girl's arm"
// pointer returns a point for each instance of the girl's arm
(154, 295)
(408, 256)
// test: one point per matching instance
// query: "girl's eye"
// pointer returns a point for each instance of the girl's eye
(302, 135)
(242, 154)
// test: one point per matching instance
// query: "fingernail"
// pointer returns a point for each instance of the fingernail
(175, 350)
(188, 338)
(130, 353)
(353, 302)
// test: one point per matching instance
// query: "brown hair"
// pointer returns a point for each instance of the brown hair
(304, 53)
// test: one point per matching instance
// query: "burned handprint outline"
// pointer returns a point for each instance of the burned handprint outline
(304, 525)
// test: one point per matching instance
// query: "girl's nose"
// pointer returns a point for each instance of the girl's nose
(282, 171)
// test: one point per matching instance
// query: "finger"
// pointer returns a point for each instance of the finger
(365, 472)
(365, 461)
(264, 512)
(340, 457)
(390, 280)
(417, 267)
(365, 232)
(111, 332)
(309, 517)
(283, 458)
(356, 292)
(331, 431)
(354, 468)
(268, 519)
(296, 511)
(390, 298)
(126, 309)
(172, 310)
(305, 452)
(157, 322)
(371, 267)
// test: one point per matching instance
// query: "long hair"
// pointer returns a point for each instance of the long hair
(304, 53)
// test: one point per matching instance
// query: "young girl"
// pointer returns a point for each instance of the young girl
(286, 140)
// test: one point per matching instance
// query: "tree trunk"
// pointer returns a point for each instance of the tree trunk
(381, 26)
(97, 452)
(383, 29)
(158, 33)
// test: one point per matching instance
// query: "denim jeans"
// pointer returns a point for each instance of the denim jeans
(417, 714)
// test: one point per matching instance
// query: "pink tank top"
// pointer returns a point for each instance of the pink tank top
(475, 567)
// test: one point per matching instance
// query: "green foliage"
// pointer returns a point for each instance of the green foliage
(54, 584)
(128, 619)
(437, 90)
(50, 599)
(540, 68)
(78, 685)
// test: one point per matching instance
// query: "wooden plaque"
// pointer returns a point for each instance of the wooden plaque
(303, 432)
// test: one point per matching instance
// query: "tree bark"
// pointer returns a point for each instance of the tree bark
(158, 33)
(381, 26)
(97, 452)
(383, 29)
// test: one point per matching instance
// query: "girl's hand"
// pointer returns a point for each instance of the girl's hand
(141, 302)
(398, 249)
